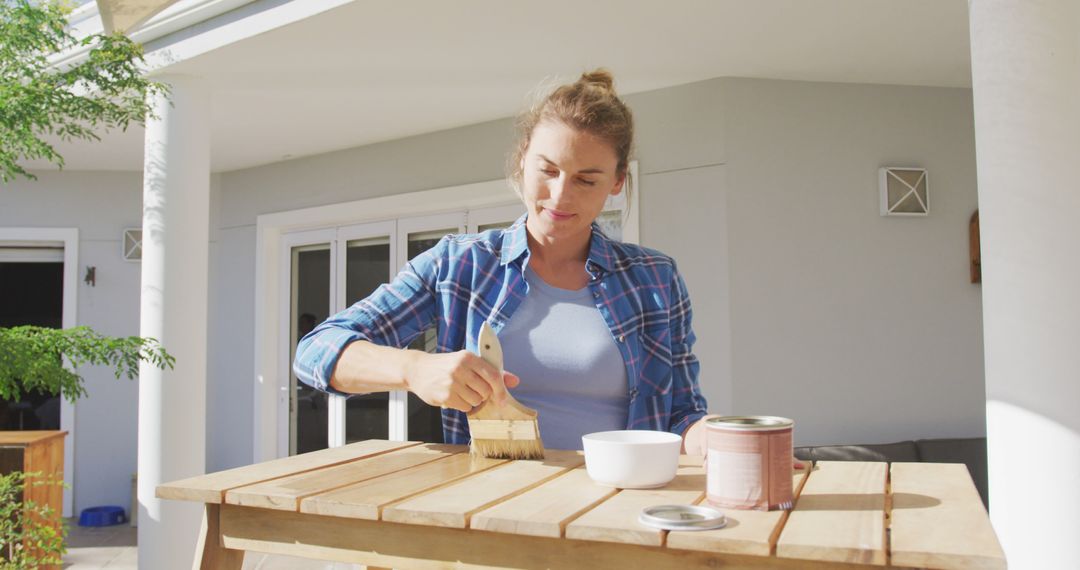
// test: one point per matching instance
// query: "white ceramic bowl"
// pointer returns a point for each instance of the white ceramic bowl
(632, 459)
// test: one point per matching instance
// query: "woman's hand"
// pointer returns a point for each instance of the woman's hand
(694, 437)
(459, 380)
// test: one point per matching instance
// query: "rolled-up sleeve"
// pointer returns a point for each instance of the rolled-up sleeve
(688, 405)
(394, 315)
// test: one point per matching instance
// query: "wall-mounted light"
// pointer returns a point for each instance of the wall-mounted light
(91, 275)
(905, 191)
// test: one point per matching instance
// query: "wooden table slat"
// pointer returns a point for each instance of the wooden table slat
(747, 532)
(365, 500)
(211, 488)
(840, 515)
(285, 493)
(545, 510)
(941, 497)
(452, 506)
(616, 519)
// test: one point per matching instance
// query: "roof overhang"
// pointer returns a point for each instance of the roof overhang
(123, 15)
(290, 79)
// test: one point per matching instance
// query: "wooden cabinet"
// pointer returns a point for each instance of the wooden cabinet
(36, 452)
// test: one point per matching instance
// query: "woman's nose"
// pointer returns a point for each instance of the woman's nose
(558, 185)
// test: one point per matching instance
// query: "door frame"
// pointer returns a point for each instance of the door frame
(68, 238)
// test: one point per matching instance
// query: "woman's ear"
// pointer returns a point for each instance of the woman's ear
(619, 181)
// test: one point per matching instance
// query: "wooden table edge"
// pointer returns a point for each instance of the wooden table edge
(404, 546)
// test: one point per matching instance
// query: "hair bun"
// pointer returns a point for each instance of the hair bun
(600, 77)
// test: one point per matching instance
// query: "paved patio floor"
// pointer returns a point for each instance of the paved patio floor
(114, 548)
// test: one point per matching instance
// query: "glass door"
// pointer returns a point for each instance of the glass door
(311, 293)
(31, 293)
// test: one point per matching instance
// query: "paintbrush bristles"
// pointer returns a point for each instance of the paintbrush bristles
(505, 438)
(507, 448)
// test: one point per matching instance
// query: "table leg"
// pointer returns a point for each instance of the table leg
(209, 553)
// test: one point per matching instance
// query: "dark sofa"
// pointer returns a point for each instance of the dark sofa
(969, 451)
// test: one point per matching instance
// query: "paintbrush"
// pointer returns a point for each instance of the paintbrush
(507, 431)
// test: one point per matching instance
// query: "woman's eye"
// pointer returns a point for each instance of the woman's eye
(588, 182)
(550, 172)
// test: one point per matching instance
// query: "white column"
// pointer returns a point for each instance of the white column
(172, 403)
(1026, 88)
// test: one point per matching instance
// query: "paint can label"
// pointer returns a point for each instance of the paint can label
(749, 462)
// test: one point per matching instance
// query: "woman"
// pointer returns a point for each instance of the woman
(597, 332)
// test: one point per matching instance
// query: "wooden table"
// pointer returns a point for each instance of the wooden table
(412, 505)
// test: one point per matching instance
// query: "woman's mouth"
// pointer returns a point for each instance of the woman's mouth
(558, 215)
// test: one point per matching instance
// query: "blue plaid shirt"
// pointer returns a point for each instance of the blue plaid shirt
(471, 278)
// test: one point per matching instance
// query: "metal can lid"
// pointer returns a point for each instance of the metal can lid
(682, 517)
(749, 423)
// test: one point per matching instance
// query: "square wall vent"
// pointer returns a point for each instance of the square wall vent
(904, 191)
(132, 244)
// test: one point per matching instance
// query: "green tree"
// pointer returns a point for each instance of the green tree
(33, 359)
(40, 102)
(31, 535)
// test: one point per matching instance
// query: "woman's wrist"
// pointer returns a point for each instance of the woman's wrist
(409, 359)
(365, 367)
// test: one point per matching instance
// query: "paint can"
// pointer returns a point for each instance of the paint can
(749, 462)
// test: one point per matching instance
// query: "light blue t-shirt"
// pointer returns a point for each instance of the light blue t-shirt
(570, 368)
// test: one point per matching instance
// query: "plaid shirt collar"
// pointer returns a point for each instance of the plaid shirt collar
(515, 245)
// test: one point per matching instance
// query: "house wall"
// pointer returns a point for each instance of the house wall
(860, 327)
(807, 302)
(101, 205)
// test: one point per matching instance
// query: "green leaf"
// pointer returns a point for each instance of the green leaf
(106, 90)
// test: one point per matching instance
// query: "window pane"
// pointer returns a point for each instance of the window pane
(425, 422)
(311, 305)
(367, 265)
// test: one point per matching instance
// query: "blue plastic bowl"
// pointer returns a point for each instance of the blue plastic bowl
(102, 516)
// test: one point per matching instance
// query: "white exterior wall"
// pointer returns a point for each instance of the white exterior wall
(101, 205)
(864, 329)
(801, 291)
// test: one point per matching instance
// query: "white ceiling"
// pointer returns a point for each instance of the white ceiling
(378, 70)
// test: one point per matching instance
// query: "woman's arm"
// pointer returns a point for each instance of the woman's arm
(688, 405)
(362, 348)
(459, 380)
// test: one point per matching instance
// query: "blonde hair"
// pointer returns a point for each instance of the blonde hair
(590, 105)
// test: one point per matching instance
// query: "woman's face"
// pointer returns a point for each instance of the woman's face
(567, 176)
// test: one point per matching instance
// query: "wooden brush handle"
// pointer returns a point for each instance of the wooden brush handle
(513, 410)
